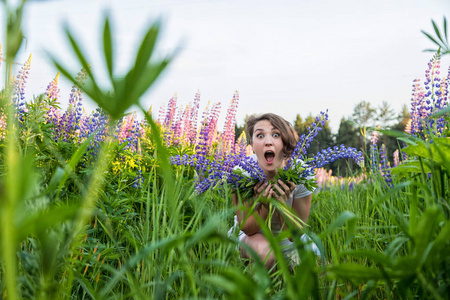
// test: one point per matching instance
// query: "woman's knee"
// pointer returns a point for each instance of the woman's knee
(262, 247)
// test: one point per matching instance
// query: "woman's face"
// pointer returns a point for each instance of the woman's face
(268, 147)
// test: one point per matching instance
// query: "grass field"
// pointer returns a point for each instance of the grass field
(91, 206)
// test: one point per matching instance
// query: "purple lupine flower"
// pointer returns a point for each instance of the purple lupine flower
(332, 154)
(418, 109)
(171, 109)
(305, 140)
(428, 100)
(249, 173)
(76, 104)
(18, 95)
(241, 144)
(128, 130)
(441, 103)
(95, 124)
(169, 119)
(385, 167)
(243, 172)
(373, 150)
(176, 128)
(52, 95)
(138, 180)
(52, 91)
(137, 132)
(436, 97)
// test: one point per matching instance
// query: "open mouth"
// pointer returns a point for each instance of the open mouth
(269, 156)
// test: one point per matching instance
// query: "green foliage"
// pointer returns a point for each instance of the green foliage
(128, 89)
(363, 114)
(74, 231)
(441, 39)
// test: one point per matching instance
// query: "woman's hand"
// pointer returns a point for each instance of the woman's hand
(262, 188)
(282, 191)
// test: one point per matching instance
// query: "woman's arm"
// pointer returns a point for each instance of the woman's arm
(302, 207)
(251, 226)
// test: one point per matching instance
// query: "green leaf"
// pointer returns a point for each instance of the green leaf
(68, 169)
(145, 51)
(441, 113)
(54, 181)
(351, 228)
(417, 150)
(338, 222)
(443, 238)
(409, 166)
(437, 31)
(425, 231)
(148, 78)
(445, 29)
(14, 33)
(78, 52)
(108, 48)
(407, 141)
(355, 272)
(396, 134)
(39, 222)
(87, 286)
(88, 88)
(431, 38)
(234, 282)
(374, 256)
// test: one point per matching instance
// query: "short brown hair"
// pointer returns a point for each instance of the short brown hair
(288, 134)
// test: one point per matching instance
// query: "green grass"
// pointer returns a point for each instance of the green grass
(73, 228)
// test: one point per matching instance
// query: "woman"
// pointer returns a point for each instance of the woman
(273, 139)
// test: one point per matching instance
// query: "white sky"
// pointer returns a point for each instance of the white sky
(286, 57)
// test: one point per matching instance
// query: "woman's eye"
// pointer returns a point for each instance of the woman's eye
(276, 135)
(259, 136)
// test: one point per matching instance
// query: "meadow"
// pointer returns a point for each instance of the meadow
(109, 206)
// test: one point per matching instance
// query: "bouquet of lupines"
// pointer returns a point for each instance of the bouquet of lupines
(242, 172)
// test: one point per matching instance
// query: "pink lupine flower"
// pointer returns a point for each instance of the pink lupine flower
(52, 91)
(171, 109)
(229, 127)
(396, 158)
(162, 114)
(129, 130)
(326, 180)
(212, 123)
(169, 119)
(192, 136)
(2, 126)
(52, 94)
